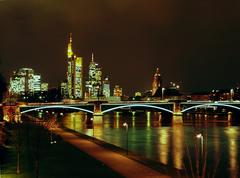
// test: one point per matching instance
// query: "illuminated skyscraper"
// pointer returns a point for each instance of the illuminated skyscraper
(106, 87)
(74, 73)
(44, 87)
(64, 91)
(24, 81)
(36, 83)
(157, 82)
(94, 83)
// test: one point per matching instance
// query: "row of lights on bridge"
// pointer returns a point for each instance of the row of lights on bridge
(61, 114)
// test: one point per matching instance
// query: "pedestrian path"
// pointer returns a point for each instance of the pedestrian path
(119, 163)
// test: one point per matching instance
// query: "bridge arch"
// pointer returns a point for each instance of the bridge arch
(137, 105)
(210, 104)
(57, 106)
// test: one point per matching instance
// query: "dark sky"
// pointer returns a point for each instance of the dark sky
(195, 43)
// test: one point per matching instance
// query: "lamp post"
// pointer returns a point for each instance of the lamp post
(231, 94)
(163, 92)
(126, 125)
(18, 147)
(200, 136)
(92, 128)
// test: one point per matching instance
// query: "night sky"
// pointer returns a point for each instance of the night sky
(194, 43)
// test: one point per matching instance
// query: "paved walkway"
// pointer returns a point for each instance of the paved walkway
(121, 164)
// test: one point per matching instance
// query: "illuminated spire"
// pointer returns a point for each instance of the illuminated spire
(92, 57)
(157, 72)
(70, 37)
(69, 50)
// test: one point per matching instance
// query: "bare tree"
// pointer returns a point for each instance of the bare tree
(50, 125)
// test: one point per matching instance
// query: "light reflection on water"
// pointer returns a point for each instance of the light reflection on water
(176, 146)
(233, 150)
(163, 145)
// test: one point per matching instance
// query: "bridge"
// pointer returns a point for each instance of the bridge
(176, 108)
(99, 107)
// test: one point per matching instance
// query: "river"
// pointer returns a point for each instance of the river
(196, 148)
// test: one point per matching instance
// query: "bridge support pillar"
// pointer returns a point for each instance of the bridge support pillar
(97, 108)
(177, 114)
(177, 119)
(229, 117)
(97, 120)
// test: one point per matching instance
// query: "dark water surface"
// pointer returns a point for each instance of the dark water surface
(195, 148)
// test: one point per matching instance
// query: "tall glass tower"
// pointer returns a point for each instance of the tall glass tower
(94, 83)
(74, 73)
(106, 87)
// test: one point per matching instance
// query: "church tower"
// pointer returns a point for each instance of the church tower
(157, 82)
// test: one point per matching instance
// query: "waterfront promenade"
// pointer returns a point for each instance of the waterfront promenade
(119, 163)
(39, 158)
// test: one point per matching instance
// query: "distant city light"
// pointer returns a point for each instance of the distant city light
(199, 135)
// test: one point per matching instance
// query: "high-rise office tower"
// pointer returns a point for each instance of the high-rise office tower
(24, 81)
(157, 82)
(64, 91)
(74, 73)
(44, 87)
(94, 83)
(106, 87)
(37, 83)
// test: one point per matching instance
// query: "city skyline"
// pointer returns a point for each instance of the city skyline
(194, 43)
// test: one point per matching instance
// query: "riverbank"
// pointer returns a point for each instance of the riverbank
(40, 158)
(164, 169)
(121, 164)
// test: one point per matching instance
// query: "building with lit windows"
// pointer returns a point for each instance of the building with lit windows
(138, 93)
(44, 86)
(24, 81)
(117, 91)
(94, 82)
(36, 83)
(74, 73)
(106, 87)
(157, 83)
(64, 91)
(172, 92)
